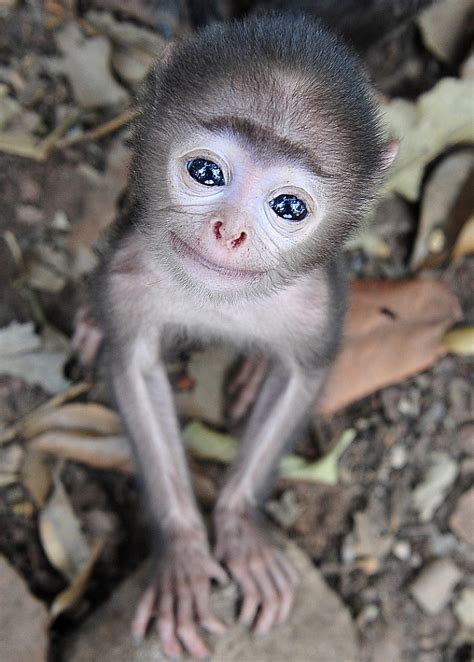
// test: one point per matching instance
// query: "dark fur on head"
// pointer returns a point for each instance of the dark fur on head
(282, 75)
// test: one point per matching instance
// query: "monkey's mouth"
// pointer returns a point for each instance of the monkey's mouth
(201, 266)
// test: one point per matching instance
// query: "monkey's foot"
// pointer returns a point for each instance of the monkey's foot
(265, 577)
(179, 597)
(246, 385)
(87, 337)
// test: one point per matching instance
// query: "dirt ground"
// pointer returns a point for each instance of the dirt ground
(394, 537)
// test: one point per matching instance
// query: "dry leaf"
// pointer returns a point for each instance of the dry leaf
(100, 206)
(71, 595)
(23, 620)
(36, 476)
(448, 201)
(87, 418)
(393, 330)
(439, 118)
(445, 26)
(465, 242)
(63, 541)
(24, 354)
(100, 452)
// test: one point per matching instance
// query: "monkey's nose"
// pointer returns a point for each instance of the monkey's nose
(233, 241)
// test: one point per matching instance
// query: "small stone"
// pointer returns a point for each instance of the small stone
(398, 457)
(61, 221)
(402, 550)
(437, 481)
(434, 586)
(410, 406)
(464, 608)
(28, 214)
(467, 467)
(368, 615)
(442, 544)
(465, 436)
(461, 521)
(30, 190)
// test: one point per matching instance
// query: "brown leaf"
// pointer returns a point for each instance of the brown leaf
(101, 205)
(36, 476)
(101, 452)
(71, 595)
(88, 418)
(63, 541)
(23, 620)
(393, 330)
(448, 201)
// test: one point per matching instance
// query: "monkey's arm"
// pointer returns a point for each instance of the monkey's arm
(264, 575)
(180, 586)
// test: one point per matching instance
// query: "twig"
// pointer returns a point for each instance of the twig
(100, 131)
(17, 428)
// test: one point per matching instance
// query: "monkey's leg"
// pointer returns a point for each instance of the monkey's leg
(265, 577)
(179, 592)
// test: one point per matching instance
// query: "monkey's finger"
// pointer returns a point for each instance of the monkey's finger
(270, 599)
(166, 622)
(201, 603)
(143, 614)
(285, 589)
(287, 568)
(186, 629)
(250, 594)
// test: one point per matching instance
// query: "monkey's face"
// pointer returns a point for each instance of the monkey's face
(233, 218)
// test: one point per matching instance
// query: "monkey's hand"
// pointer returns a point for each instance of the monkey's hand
(179, 596)
(265, 577)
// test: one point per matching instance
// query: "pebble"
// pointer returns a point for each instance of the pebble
(434, 586)
(461, 521)
(29, 214)
(464, 608)
(398, 457)
(437, 481)
(402, 550)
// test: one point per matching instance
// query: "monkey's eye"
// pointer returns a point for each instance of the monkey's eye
(205, 172)
(289, 207)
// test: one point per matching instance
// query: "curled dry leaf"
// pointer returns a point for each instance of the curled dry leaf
(100, 452)
(88, 418)
(448, 201)
(439, 118)
(63, 541)
(70, 596)
(393, 330)
(465, 242)
(445, 28)
(36, 476)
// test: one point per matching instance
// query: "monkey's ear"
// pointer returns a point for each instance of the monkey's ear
(390, 153)
(166, 53)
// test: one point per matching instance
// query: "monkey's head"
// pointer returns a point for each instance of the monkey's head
(259, 149)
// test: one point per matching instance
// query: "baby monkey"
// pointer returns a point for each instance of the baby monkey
(258, 150)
